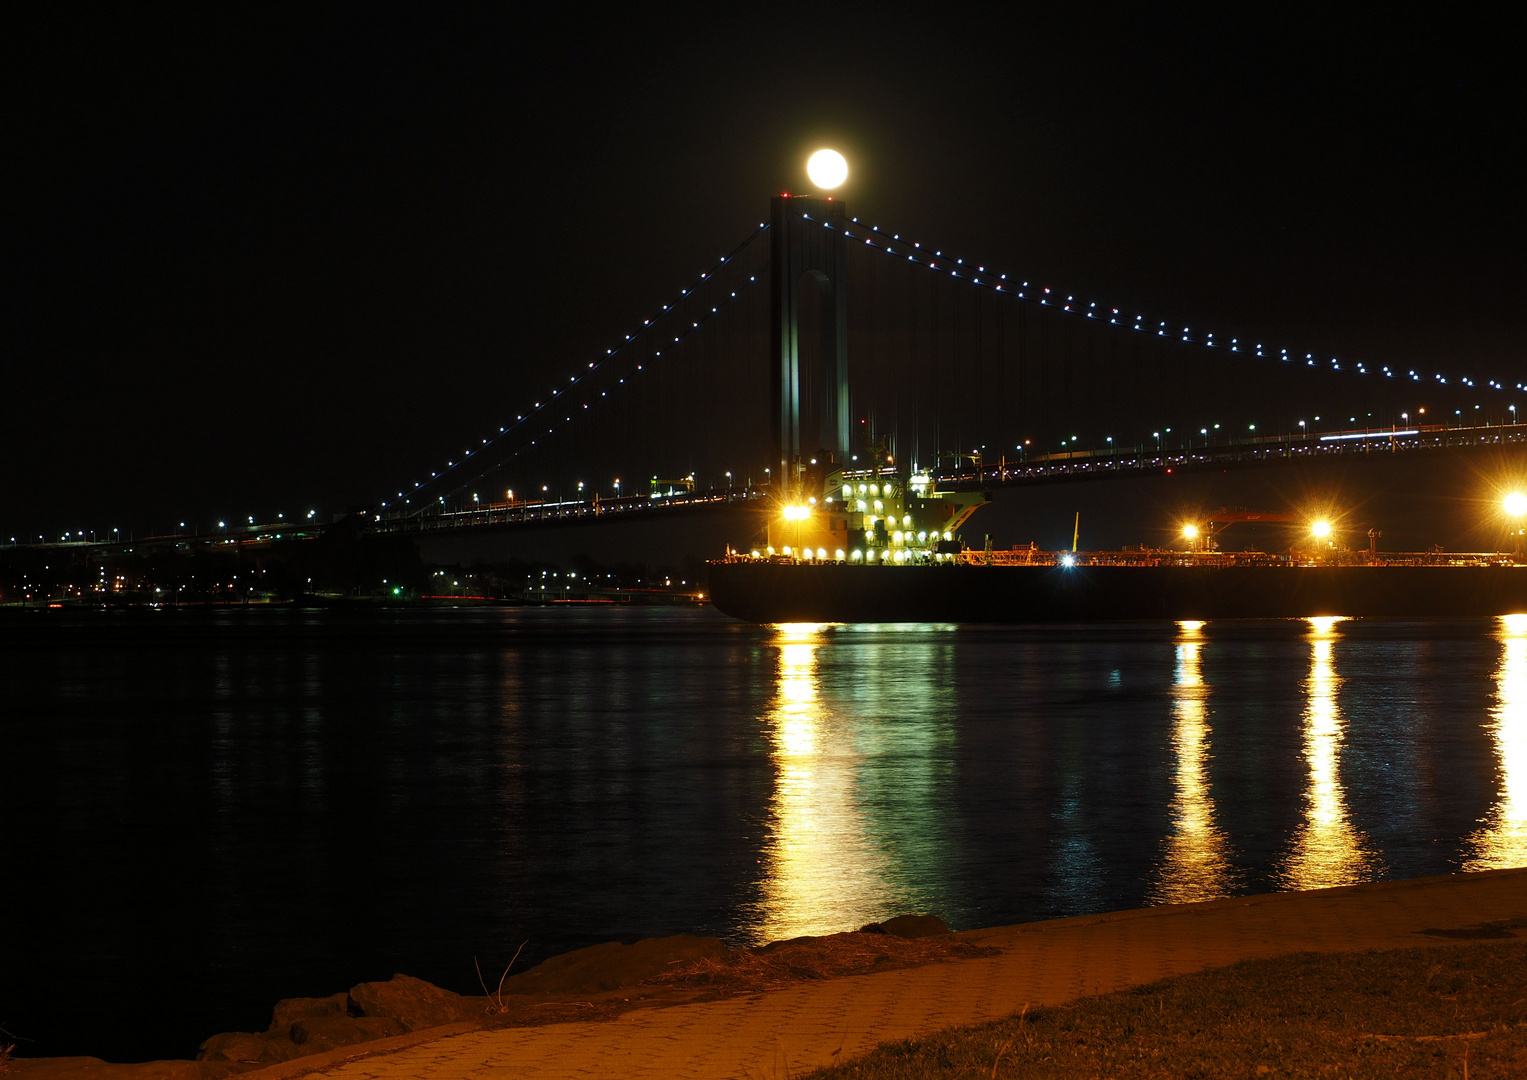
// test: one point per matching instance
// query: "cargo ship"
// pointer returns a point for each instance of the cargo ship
(871, 545)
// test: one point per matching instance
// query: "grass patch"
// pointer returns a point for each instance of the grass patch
(1440, 1012)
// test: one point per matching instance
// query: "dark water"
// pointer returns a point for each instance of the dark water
(205, 813)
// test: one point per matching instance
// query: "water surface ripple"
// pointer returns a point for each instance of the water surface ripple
(206, 812)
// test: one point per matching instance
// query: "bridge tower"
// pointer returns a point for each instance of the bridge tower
(810, 408)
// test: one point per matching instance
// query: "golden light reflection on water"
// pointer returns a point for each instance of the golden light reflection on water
(1328, 850)
(823, 870)
(1502, 840)
(1195, 864)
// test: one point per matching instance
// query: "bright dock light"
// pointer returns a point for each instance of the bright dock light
(827, 169)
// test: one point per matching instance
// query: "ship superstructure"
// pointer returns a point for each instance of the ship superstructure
(873, 515)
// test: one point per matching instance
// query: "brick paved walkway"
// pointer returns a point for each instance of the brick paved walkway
(787, 1032)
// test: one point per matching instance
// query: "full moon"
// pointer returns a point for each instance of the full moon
(827, 169)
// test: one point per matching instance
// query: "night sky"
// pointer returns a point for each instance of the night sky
(257, 265)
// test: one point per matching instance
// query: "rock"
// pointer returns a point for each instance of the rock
(374, 1010)
(89, 1068)
(611, 966)
(289, 1011)
(265, 1048)
(326, 1023)
(909, 926)
(803, 939)
(315, 1036)
(416, 1003)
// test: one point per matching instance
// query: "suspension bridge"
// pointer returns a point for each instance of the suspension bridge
(825, 341)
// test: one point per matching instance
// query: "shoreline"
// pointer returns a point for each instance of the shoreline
(1064, 959)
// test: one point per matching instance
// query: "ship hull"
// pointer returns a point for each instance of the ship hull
(779, 592)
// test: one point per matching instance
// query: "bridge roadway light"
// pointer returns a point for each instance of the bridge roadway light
(827, 169)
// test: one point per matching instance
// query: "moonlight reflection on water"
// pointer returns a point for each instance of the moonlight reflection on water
(266, 804)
